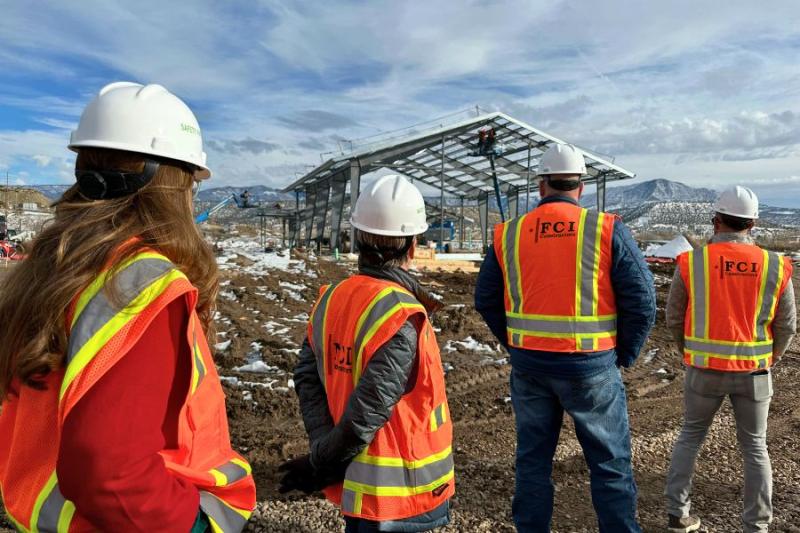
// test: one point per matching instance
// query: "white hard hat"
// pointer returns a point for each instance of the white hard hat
(739, 202)
(147, 119)
(390, 206)
(562, 159)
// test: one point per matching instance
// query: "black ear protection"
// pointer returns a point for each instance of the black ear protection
(105, 184)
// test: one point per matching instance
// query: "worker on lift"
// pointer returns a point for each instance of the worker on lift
(245, 197)
(370, 380)
(113, 415)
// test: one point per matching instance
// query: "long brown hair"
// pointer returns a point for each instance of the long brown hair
(78, 244)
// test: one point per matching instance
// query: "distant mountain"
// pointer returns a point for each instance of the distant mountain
(51, 192)
(669, 204)
(653, 191)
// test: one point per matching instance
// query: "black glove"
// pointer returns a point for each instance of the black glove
(301, 475)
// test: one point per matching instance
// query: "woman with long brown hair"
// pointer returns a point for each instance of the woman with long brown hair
(113, 416)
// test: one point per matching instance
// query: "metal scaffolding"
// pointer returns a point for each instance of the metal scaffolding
(444, 158)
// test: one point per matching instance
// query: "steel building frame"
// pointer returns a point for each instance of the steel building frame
(442, 158)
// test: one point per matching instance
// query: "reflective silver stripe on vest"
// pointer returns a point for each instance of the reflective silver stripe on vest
(773, 272)
(51, 511)
(699, 292)
(439, 414)
(586, 343)
(130, 282)
(566, 325)
(514, 280)
(226, 518)
(398, 476)
(348, 501)
(381, 307)
(715, 349)
(318, 332)
(699, 361)
(232, 472)
(198, 357)
(587, 259)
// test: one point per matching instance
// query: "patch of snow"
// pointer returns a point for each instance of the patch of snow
(469, 344)
(437, 296)
(222, 346)
(229, 295)
(257, 367)
(648, 357)
(447, 367)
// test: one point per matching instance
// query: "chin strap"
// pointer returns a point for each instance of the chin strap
(106, 184)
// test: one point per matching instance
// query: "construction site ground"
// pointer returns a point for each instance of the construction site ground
(261, 322)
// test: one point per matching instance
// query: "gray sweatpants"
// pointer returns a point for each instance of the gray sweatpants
(750, 394)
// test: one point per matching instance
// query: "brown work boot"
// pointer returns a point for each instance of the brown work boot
(683, 525)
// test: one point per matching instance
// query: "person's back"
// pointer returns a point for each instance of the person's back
(371, 383)
(567, 291)
(113, 416)
(731, 308)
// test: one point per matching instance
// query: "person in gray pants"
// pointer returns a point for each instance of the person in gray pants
(755, 287)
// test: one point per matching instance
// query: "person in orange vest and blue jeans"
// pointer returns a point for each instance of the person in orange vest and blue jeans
(371, 383)
(732, 309)
(567, 292)
(113, 415)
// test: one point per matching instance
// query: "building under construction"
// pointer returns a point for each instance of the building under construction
(488, 161)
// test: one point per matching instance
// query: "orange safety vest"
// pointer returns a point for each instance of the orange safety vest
(556, 263)
(100, 334)
(407, 469)
(734, 289)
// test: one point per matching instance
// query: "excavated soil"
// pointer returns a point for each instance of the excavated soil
(263, 316)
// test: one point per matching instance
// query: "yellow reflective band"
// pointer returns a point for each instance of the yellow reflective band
(596, 267)
(551, 335)
(374, 327)
(559, 318)
(504, 249)
(707, 289)
(65, 517)
(727, 357)
(578, 265)
(362, 488)
(516, 260)
(243, 464)
(96, 285)
(754, 344)
(761, 290)
(776, 296)
(87, 352)
(37, 506)
(359, 500)
(220, 479)
(433, 425)
(214, 526)
(363, 457)
(325, 334)
(692, 296)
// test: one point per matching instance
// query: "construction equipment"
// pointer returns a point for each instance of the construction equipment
(488, 147)
(202, 217)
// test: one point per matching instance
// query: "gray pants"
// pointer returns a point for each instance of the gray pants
(750, 394)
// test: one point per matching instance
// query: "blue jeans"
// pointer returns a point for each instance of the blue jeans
(597, 405)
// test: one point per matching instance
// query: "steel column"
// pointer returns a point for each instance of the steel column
(308, 212)
(441, 199)
(461, 230)
(483, 210)
(528, 182)
(601, 192)
(355, 187)
(321, 209)
(338, 190)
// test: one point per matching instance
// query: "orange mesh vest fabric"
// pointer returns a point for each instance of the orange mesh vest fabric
(100, 334)
(556, 264)
(734, 289)
(407, 470)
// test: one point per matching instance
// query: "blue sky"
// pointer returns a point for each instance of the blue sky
(682, 90)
